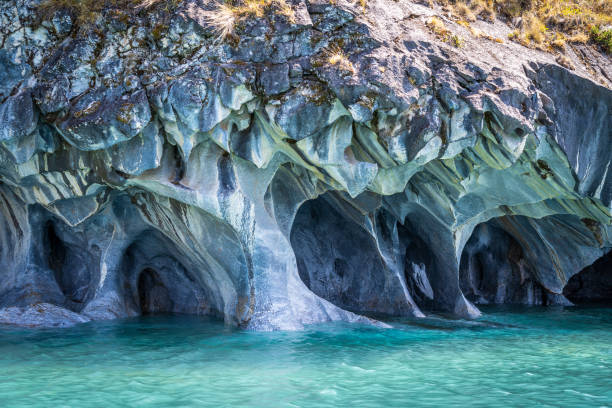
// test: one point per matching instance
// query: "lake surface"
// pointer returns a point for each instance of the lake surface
(546, 357)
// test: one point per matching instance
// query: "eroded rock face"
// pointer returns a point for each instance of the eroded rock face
(593, 284)
(146, 166)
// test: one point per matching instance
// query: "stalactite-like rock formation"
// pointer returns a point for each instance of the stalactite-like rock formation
(146, 166)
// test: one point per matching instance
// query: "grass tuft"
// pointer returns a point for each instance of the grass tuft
(336, 56)
(222, 20)
(438, 27)
(225, 17)
(462, 10)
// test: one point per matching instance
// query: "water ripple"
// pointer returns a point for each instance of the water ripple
(538, 357)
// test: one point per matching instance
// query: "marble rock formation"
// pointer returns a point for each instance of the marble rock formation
(148, 165)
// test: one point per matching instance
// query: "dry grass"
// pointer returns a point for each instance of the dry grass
(223, 20)
(581, 38)
(564, 61)
(470, 9)
(225, 17)
(558, 41)
(481, 34)
(463, 11)
(541, 22)
(336, 56)
(363, 4)
(533, 28)
(553, 23)
(438, 27)
(484, 9)
(85, 12)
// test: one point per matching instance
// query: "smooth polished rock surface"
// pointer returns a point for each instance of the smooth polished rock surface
(40, 315)
(148, 166)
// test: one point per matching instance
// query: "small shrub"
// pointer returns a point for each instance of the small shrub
(437, 27)
(602, 37)
(456, 41)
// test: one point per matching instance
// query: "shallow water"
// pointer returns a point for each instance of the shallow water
(558, 357)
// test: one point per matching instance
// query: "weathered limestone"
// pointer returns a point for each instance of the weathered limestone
(252, 179)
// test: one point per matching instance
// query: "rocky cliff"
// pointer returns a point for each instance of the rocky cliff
(326, 162)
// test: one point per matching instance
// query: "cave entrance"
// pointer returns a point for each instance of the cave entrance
(339, 260)
(70, 269)
(418, 261)
(56, 254)
(592, 285)
(153, 295)
(494, 269)
(154, 281)
(334, 256)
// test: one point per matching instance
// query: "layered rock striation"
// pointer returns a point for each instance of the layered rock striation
(327, 165)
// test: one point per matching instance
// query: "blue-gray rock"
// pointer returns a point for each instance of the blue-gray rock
(18, 118)
(312, 166)
(104, 117)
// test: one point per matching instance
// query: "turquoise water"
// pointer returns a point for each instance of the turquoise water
(508, 358)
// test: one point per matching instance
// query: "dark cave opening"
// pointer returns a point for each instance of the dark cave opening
(56, 254)
(179, 166)
(494, 270)
(70, 271)
(227, 178)
(333, 254)
(592, 285)
(154, 281)
(418, 260)
(342, 260)
(153, 296)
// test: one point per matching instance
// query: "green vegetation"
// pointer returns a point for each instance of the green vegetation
(543, 24)
(439, 29)
(602, 37)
